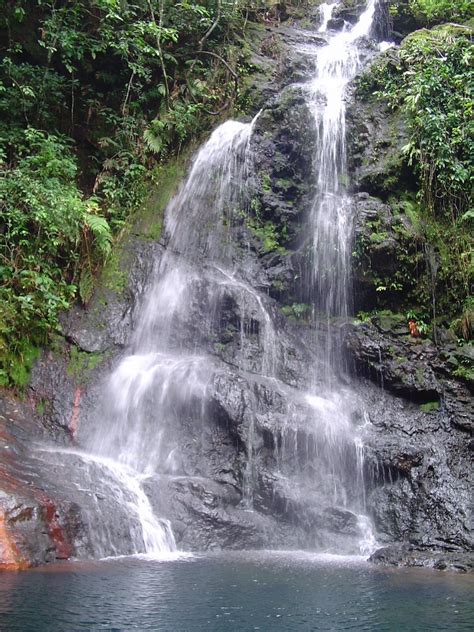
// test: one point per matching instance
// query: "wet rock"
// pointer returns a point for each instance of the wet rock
(376, 137)
(382, 28)
(35, 526)
(406, 555)
(387, 257)
(398, 362)
(349, 11)
(107, 321)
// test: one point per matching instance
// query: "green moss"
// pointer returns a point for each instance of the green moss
(430, 407)
(389, 320)
(284, 184)
(420, 375)
(401, 360)
(41, 407)
(18, 366)
(409, 208)
(148, 221)
(113, 277)
(81, 363)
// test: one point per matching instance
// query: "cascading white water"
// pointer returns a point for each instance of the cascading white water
(148, 534)
(331, 219)
(337, 63)
(326, 11)
(161, 381)
(155, 405)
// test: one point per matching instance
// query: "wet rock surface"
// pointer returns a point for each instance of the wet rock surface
(36, 524)
(411, 556)
(419, 444)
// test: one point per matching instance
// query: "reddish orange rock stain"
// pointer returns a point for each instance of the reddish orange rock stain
(75, 412)
(10, 556)
(55, 531)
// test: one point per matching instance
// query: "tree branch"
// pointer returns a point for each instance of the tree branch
(213, 25)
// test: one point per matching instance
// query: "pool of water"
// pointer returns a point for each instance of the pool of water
(235, 592)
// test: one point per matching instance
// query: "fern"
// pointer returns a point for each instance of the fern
(100, 229)
(86, 285)
(153, 142)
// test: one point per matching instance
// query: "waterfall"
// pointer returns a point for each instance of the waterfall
(337, 64)
(161, 398)
(161, 380)
(331, 223)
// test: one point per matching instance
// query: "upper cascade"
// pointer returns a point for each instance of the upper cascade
(331, 218)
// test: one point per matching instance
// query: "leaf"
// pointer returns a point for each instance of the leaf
(86, 285)
(100, 229)
(153, 141)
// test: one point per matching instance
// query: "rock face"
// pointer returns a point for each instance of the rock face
(239, 456)
(420, 449)
(35, 527)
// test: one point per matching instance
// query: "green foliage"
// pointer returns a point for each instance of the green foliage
(463, 326)
(93, 93)
(81, 363)
(172, 127)
(430, 79)
(16, 364)
(267, 233)
(297, 311)
(48, 229)
(363, 317)
(439, 11)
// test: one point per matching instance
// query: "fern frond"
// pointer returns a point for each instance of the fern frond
(101, 232)
(153, 142)
(86, 285)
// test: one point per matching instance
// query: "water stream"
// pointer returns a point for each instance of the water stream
(331, 217)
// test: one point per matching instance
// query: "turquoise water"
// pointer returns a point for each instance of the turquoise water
(235, 592)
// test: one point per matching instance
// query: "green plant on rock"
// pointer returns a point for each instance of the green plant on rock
(298, 311)
(430, 407)
(50, 231)
(81, 363)
(430, 79)
(267, 233)
(439, 11)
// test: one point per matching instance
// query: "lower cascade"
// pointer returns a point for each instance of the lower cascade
(230, 410)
